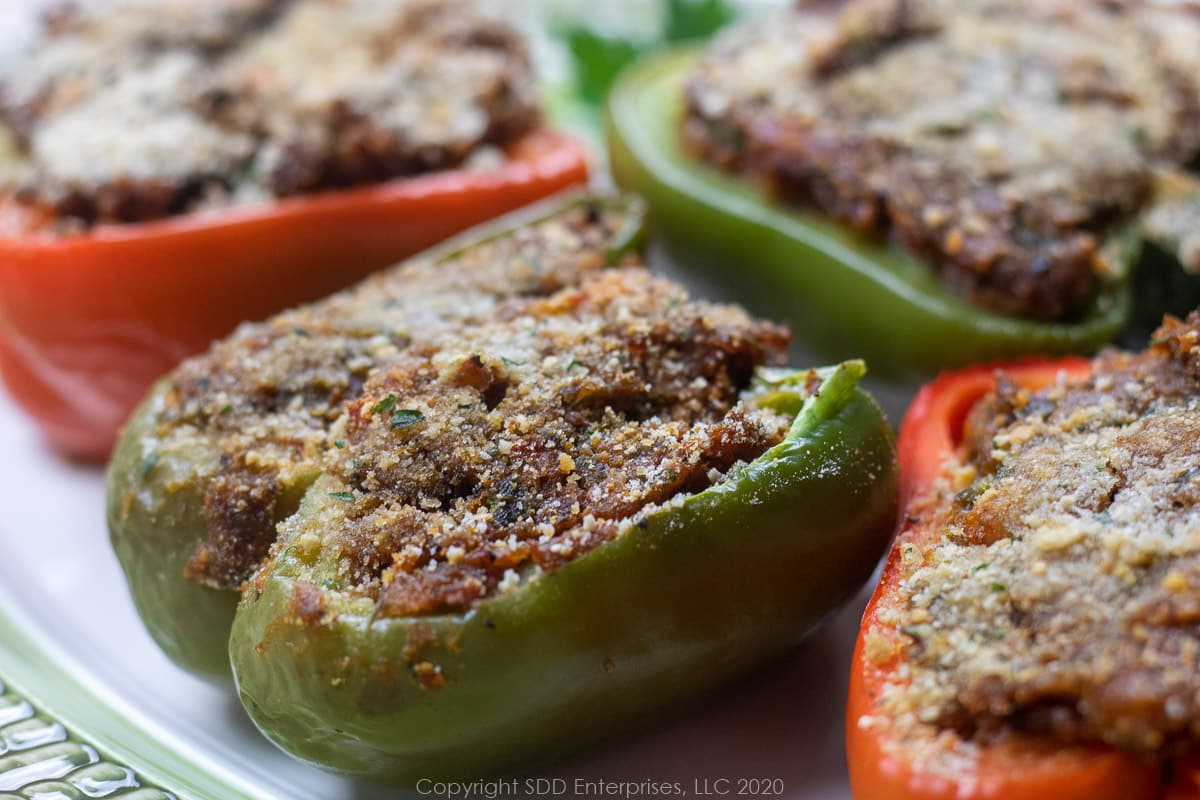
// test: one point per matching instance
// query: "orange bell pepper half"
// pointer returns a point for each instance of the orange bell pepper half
(888, 765)
(89, 322)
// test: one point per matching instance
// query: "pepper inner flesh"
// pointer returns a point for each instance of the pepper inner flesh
(1051, 587)
(484, 454)
(999, 142)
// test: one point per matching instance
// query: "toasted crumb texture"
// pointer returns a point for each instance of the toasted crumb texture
(522, 443)
(997, 141)
(129, 111)
(1061, 596)
(264, 398)
(505, 408)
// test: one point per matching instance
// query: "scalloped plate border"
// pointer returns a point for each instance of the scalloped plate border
(32, 675)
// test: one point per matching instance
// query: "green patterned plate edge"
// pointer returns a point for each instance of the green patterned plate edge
(80, 743)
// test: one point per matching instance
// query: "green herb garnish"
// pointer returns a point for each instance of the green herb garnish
(148, 463)
(342, 495)
(404, 417)
(386, 404)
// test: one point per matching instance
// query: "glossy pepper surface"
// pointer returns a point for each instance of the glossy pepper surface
(846, 295)
(157, 485)
(886, 766)
(89, 322)
(693, 593)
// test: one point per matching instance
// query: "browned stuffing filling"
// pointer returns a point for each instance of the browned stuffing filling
(999, 141)
(519, 444)
(127, 111)
(508, 409)
(262, 401)
(1063, 598)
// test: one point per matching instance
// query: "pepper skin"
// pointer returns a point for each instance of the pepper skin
(155, 522)
(89, 322)
(1185, 779)
(843, 294)
(664, 612)
(886, 767)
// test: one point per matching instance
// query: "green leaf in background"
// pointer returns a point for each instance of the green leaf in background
(597, 59)
(695, 19)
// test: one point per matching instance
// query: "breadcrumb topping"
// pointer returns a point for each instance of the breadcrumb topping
(475, 418)
(998, 141)
(480, 455)
(1061, 594)
(262, 401)
(130, 111)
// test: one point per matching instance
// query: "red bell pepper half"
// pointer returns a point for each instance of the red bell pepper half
(88, 322)
(888, 765)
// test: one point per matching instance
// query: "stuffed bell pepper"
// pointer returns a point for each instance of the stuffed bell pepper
(1034, 634)
(525, 492)
(924, 184)
(170, 169)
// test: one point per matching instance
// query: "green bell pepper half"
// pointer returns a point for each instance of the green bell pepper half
(690, 594)
(156, 521)
(156, 486)
(846, 295)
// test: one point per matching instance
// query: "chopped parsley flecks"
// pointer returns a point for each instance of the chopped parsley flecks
(404, 417)
(384, 405)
